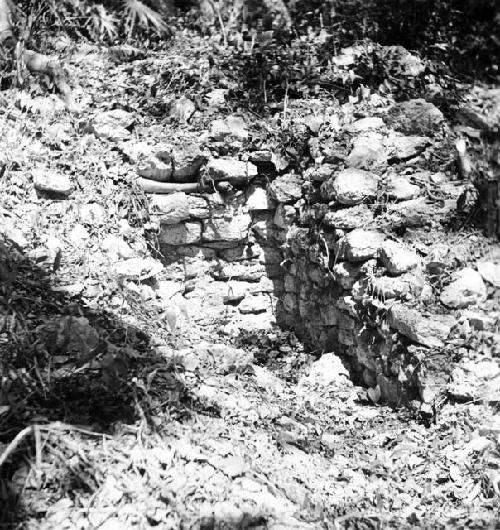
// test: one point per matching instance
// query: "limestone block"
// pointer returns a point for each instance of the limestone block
(180, 234)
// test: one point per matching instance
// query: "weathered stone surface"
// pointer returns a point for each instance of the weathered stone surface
(489, 271)
(180, 234)
(349, 218)
(416, 116)
(230, 169)
(138, 268)
(428, 331)
(155, 169)
(285, 215)
(113, 124)
(232, 127)
(116, 247)
(406, 147)
(361, 245)
(400, 189)
(254, 304)
(350, 186)
(258, 199)
(366, 124)
(52, 183)
(406, 286)
(286, 188)
(418, 212)
(172, 208)
(231, 230)
(198, 207)
(467, 287)
(398, 258)
(368, 152)
(319, 173)
(185, 160)
(240, 271)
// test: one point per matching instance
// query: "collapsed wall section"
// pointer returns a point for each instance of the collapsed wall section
(340, 252)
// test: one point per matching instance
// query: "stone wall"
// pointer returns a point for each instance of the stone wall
(339, 252)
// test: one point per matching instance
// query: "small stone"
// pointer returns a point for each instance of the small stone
(185, 160)
(286, 188)
(198, 207)
(328, 371)
(466, 288)
(490, 272)
(183, 109)
(232, 170)
(400, 189)
(180, 234)
(366, 124)
(172, 208)
(78, 235)
(368, 153)
(254, 304)
(351, 186)
(397, 258)
(346, 274)
(406, 147)
(52, 183)
(117, 247)
(319, 173)
(349, 218)
(258, 199)
(138, 268)
(155, 169)
(416, 116)
(361, 245)
(113, 125)
(428, 331)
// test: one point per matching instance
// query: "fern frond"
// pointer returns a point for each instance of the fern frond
(139, 13)
(103, 23)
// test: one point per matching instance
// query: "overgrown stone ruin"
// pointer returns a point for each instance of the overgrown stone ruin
(350, 253)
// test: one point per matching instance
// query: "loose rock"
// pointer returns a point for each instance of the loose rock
(350, 186)
(466, 288)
